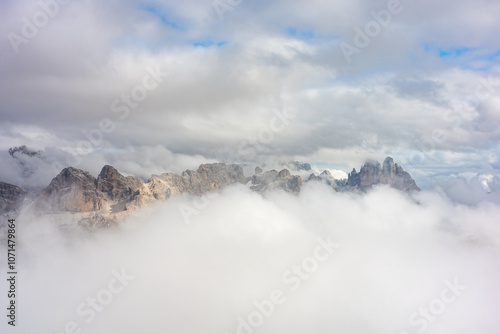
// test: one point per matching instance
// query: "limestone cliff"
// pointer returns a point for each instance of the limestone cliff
(270, 180)
(11, 197)
(389, 173)
(101, 201)
(73, 190)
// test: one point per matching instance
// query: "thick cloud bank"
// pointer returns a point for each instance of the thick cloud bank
(183, 75)
(240, 262)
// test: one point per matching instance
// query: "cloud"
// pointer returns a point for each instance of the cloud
(395, 255)
(473, 189)
(397, 95)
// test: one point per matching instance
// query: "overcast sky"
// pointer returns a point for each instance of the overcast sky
(151, 85)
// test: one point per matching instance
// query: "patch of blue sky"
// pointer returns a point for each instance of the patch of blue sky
(454, 52)
(312, 37)
(208, 43)
(163, 16)
(301, 34)
(449, 52)
(483, 62)
(495, 56)
(475, 59)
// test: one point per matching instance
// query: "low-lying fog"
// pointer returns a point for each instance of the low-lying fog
(240, 262)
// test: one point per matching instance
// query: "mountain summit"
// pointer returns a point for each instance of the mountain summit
(99, 201)
(389, 173)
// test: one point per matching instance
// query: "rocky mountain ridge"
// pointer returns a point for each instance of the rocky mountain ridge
(104, 199)
(389, 173)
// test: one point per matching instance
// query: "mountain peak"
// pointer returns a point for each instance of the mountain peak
(110, 172)
(389, 173)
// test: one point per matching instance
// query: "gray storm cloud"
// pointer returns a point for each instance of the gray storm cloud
(318, 262)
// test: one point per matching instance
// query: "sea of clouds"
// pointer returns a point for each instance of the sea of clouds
(242, 262)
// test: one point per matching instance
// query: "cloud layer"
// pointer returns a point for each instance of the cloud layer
(427, 84)
(396, 256)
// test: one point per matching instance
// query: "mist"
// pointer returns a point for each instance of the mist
(243, 262)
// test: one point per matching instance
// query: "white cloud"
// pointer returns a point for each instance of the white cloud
(395, 96)
(395, 254)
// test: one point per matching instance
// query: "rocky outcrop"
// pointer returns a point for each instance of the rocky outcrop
(11, 197)
(327, 177)
(389, 173)
(314, 177)
(120, 192)
(73, 190)
(113, 184)
(165, 185)
(208, 177)
(290, 183)
(297, 165)
(262, 180)
(273, 180)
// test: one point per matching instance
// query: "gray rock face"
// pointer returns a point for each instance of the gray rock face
(327, 178)
(291, 184)
(313, 177)
(273, 180)
(165, 185)
(99, 202)
(117, 187)
(389, 173)
(11, 197)
(73, 190)
(261, 181)
(297, 165)
(208, 177)
(119, 192)
(284, 174)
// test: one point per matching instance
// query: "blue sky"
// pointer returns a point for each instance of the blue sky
(162, 15)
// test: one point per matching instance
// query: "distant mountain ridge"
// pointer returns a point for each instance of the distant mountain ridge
(105, 199)
(389, 173)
